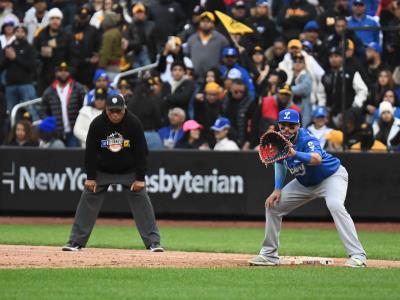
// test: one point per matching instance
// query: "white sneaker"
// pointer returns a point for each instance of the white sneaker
(354, 262)
(261, 260)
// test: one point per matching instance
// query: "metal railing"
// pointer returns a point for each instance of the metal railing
(114, 84)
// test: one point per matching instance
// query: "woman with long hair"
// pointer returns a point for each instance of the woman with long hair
(22, 135)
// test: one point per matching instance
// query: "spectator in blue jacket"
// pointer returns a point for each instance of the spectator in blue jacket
(101, 81)
(360, 19)
(229, 61)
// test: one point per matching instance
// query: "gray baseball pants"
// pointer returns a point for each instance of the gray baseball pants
(90, 205)
(294, 194)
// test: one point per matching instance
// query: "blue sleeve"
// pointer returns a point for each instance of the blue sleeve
(280, 175)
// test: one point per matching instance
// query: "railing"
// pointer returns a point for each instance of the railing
(114, 84)
(17, 107)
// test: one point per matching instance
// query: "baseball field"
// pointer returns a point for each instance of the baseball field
(204, 260)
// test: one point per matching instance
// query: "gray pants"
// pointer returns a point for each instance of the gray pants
(294, 194)
(90, 204)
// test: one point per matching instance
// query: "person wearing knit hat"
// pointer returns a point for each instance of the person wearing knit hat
(47, 131)
(387, 127)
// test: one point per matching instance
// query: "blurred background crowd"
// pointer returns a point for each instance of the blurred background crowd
(216, 85)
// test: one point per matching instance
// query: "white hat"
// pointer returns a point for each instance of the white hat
(55, 13)
(234, 74)
(385, 106)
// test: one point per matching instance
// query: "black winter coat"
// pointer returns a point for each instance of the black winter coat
(51, 104)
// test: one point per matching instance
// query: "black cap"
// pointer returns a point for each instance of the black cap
(335, 50)
(239, 4)
(63, 66)
(84, 12)
(115, 102)
(100, 94)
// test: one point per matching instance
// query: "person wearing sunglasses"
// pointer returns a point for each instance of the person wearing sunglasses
(318, 174)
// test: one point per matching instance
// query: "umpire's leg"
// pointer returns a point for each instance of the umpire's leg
(293, 195)
(143, 213)
(86, 214)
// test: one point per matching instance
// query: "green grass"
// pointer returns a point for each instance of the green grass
(246, 283)
(310, 242)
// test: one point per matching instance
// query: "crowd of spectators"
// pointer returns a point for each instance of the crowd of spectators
(211, 89)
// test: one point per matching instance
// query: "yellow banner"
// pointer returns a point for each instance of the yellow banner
(231, 25)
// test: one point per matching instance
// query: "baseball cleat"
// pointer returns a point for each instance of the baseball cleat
(261, 260)
(156, 247)
(355, 263)
(72, 246)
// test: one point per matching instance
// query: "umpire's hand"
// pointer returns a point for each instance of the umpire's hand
(137, 186)
(90, 185)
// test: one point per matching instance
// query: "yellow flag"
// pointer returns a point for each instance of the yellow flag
(231, 25)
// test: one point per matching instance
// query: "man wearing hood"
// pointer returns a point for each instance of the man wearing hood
(85, 44)
(101, 81)
(110, 50)
(36, 18)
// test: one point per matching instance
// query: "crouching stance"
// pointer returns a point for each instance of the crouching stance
(318, 174)
(116, 152)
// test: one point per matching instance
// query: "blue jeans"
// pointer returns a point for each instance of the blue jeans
(153, 140)
(71, 141)
(142, 58)
(16, 94)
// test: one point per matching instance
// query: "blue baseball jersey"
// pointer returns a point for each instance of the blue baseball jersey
(311, 175)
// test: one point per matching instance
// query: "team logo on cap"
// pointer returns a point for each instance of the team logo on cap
(114, 100)
(115, 142)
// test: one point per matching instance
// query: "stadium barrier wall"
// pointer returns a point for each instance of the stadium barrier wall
(189, 183)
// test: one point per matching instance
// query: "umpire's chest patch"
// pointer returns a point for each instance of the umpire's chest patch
(115, 142)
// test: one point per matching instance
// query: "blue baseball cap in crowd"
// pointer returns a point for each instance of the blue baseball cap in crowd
(311, 25)
(289, 116)
(375, 46)
(48, 124)
(221, 123)
(320, 112)
(358, 2)
(263, 3)
(307, 45)
(99, 74)
(229, 51)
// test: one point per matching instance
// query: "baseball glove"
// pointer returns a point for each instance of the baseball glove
(273, 147)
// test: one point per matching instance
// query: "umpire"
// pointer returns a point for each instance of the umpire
(116, 152)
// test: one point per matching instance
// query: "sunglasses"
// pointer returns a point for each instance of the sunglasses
(115, 111)
(290, 125)
(238, 92)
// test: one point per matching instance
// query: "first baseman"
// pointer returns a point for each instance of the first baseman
(318, 174)
(116, 152)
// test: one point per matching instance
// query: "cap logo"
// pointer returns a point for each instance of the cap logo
(287, 115)
(114, 100)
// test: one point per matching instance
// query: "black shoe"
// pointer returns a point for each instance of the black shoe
(156, 247)
(72, 246)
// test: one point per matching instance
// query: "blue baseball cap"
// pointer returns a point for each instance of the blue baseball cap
(375, 46)
(48, 124)
(289, 116)
(311, 25)
(221, 123)
(229, 51)
(263, 3)
(358, 2)
(320, 112)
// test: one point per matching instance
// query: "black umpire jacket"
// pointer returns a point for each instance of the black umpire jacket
(116, 148)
